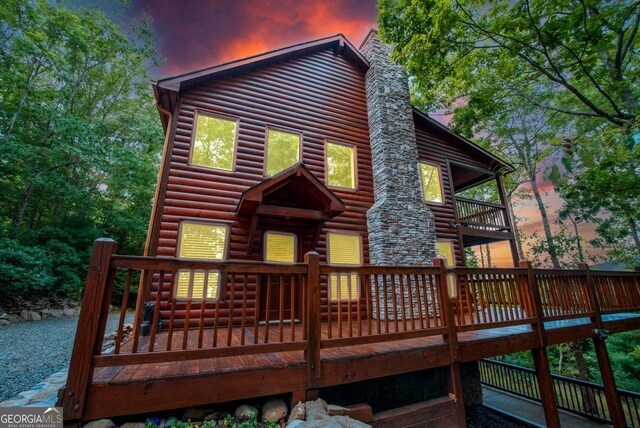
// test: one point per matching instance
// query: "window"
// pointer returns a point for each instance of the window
(214, 142)
(279, 247)
(431, 187)
(445, 249)
(341, 166)
(283, 150)
(200, 241)
(345, 250)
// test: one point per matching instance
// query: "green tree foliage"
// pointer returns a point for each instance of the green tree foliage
(79, 142)
(578, 54)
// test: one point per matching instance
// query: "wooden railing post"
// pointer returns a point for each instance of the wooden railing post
(312, 353)
(454, 380)
(616, 412)
(88, 333)
(540, 357)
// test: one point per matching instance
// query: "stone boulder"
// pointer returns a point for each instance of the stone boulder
(246, 412)
(274, 410)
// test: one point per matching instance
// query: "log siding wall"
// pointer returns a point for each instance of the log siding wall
(322, 97)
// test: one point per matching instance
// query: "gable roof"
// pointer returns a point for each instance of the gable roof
(166, 90)
(496, 164)
(300, 188)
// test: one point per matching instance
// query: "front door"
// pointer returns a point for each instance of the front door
(280, 294)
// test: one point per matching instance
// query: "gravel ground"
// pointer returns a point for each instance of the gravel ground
(32, 350)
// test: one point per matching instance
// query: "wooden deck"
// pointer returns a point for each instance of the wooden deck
(403, 321)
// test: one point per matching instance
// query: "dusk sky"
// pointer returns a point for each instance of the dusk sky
(194, 34)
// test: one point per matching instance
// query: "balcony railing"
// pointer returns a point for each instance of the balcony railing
(481, 215)
(573, 395)
(376, 304)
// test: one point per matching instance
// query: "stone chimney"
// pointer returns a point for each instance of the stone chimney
(401, 226)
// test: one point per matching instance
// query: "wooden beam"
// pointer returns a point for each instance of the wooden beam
(279, 211)
(88, 334)
(616, 412)
(252, 234)
(545, 384)
(314, 314)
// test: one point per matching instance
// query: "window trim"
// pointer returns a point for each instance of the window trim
(277, 232)
(224, 257)
(440, 176)
(355, 187)
(208, 113)
(266, 146)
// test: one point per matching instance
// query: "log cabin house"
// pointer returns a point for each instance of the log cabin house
(292, 250)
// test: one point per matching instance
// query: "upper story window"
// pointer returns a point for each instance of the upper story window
(346, 250)
(214, 142)
(200, 241)
(341, 166)
(431, 183)
(279, 247)
(283, 150)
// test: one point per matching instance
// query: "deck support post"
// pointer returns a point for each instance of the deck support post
(90, 330)
(616, 412)
(312, 353)
(454, 380)
(540, 357)
(545, 385)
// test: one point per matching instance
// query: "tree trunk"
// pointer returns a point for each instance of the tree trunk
(488, 255)
(634, 232)
(578, 240)
(545, 223)
(23, 99)
(481, 256)
(516, 232)
(19, 218)
(583, 373)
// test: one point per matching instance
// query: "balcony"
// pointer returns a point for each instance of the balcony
(426, 317)
(481, 222)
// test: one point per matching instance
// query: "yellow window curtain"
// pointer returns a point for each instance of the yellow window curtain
(200, 241)
(445, 249)
(431, 187)
(340, 166)
(280, 247)
(283, 150)
(214, 142)
(344, 286)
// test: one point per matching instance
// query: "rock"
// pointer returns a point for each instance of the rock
(299, 412)
(295, 424)
(4, 322)
(14, 318)
(132, 424)
(347, 422)
(57, 313)
(170, 421)
(35, 316)
(4, 316)
(214, 416)
(25, 315)
(100, 423)
(316, 410)
(196, 413)
(68, 312)
(333, 410)
(274, 410)
(245, 412)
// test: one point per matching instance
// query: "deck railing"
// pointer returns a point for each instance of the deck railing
(573, 395)
(481, 215)
(249, 308)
